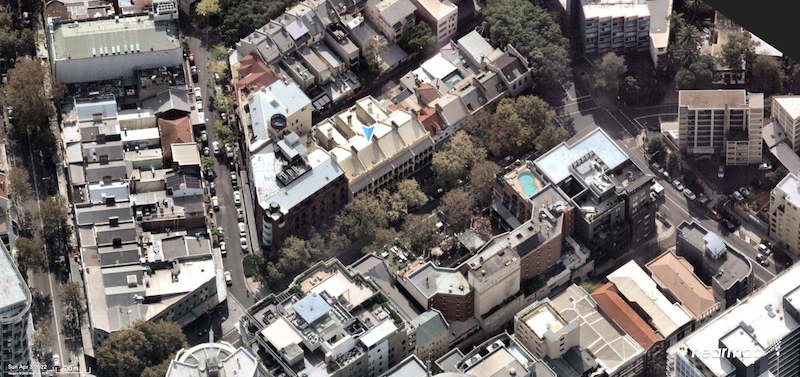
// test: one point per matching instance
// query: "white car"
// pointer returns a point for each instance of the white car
(765, 166)
(203, 135)
(689, 194)
(228, 279)
(215, 145)
(215, 203)
(243, 242)
(240, 214)
(199, 105)
(745, 192)
(738, 196)
(56, 361)
(198, 95)
(223, 250)
(242, 229)
(678, 185)
(721, 172)
(206, 151)
(237, 198)
(764, 249)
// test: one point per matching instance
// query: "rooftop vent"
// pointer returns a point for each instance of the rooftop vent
(132, 281)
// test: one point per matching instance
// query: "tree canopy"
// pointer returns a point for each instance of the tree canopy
(457, 205)
(767, 76)
(128, 352)
(454, 161)
(420, 39)
(19, 185)
(739, 50)
(481, 182)
(25, 93)
(699, 75)
(54, 212)
(534, 32)
(241, 17)
(31, 255)
(609, 71)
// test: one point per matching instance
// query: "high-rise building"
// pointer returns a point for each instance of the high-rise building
(759, 336)
(723, 122)
(783, 210)
(15, 306)
(786, 112)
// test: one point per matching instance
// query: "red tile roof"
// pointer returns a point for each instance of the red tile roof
(254, 73)
(431, 120)
(427, 93)
(623, 314)
(174, 132)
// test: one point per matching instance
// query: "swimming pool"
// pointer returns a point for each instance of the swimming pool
(528, 183)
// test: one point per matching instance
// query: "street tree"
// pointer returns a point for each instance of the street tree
(207, 162)
(216, 67)
(26, 46)
(381, 238)
(42, 337)
(457, 205)
(31, 255)
(420, 232)
(159, 370)
(224, 103)
(419, 40)
(609, 71)
(293, 257)
(359, 219)
(19, 185)
(72, 299)
(535, 33)
(165, 337)
(55, 214)
(454, 161)
(223, 133)
(673, 163)
(767, 76)
(9, 37)
(739, 51)
(404, 196)
(128, 352)
(656, 150)
(550, 137)
(207, 8)
(25, 93)
(481, 182)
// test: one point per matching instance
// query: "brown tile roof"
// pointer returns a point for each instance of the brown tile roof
(623, 314)
(431, 120)
(254, 74)
(174, 132)
(427, 93)
(677, 275)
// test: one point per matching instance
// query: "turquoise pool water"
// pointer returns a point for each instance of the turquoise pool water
(528, 183)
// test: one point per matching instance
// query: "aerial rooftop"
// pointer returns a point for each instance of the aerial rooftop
(14, 293)
(555, 164)
(677, 275)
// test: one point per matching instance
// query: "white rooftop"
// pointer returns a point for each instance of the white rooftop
(311, 308)
(615, 8)
(13, 290)
(378, 333)
(281, 333)
(714, 244)
(790, 185)
(278, 98)
(790, 104)
(333, 286)
(544, 319)
(438, 67)
(555, 163)
(195, 362)
(752, 312)
(636, 286)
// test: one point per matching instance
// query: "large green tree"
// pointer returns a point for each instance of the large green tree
(767, 76)
(609, 70)
(420, 39)
(241, 17)
(19, 185)
(533, 31)
(31, 255)
(359, 219)
(294, 257)
(699, 75)
(739, 51)
(420, 232)
(454, 161)
(129, 352)
(402, 197)
(55, 214)
(481, 182)
(457, 206)
(26, 94)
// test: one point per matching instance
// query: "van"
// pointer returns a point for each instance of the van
(657, 189)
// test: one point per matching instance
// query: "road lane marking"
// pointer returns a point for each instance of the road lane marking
(618, 122)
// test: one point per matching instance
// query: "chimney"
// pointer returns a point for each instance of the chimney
(350, 120)
(394, 124)
(113, 221)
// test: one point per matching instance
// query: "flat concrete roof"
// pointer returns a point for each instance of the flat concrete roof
(714, 98)
(555, 164)
(14, 293)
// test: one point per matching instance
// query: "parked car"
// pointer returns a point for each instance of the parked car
(228, 150)
(656, 167)
(215, 202)
(678, 185)
(216, 147)
(756, 182)
(729, 224)
(239, 214)
(762, 259)
(704, 199)
(242, 229)
(203, 134)
(738, 196)
(224, 117)
(223, 250)
(237, 198)
(56, 361)
(212, 189)
(191, 58)
(199, 105)
(228, 279)
(233, 178)
(210, 174)
(744, 191)
(765, 166)
(721, 171)
(206, 151)
(764, 249)
(243, 242)
(689, 194)
(715, 214)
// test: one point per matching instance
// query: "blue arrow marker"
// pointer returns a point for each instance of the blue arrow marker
(368, 131)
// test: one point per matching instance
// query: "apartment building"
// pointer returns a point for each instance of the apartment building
(500, 355)
(675, 276)
(15, 307)
(441, 16)
(670, 319)
(564, 328)
(759, 336)
(332, 322)
(614, 26)
(783, 212)
(215, 358)
(786, 113)
(433, 335)
(719, 265)
(399, 145)
(441, 288)
(609, 191)
(393, 18)
(725, 122)
(112, 48)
